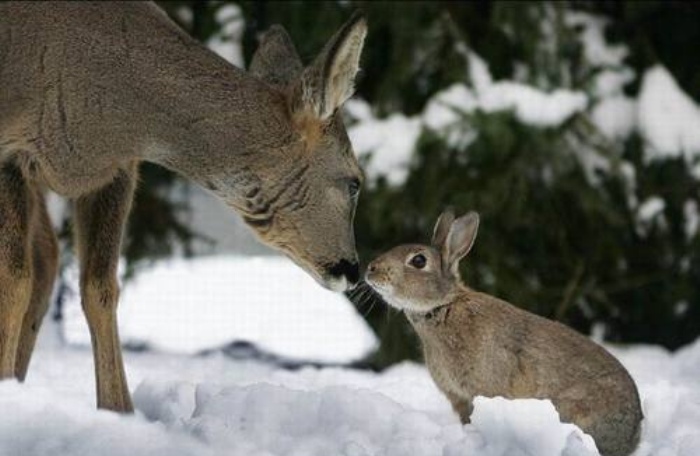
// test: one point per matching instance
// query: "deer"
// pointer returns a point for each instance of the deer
(88, 90)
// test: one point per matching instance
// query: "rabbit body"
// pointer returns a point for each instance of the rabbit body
(482, 346)
(477, 345)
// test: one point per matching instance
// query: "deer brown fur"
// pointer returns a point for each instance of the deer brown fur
(88, 90)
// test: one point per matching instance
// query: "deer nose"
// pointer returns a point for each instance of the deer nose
(348, 269)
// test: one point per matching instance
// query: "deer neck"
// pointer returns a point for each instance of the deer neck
(208, 117)
(128, 85)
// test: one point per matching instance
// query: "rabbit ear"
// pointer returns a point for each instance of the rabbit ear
(442, 227)
(460, 240)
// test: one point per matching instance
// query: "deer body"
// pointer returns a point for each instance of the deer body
(88, 90)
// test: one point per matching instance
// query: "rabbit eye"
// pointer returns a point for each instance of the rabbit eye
(418, 261)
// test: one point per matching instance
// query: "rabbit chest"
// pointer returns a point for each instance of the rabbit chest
(469, 352)
(463, 356)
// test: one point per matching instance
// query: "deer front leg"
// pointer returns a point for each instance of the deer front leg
(15, 262)
(99, 222)
(44, 250)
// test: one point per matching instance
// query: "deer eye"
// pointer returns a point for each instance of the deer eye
(418, 261)
(354, 188)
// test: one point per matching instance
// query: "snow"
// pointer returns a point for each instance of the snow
(445, 108)
(388, 142)
(227, 40)
(666, 117)
(650, 208)
(523, 427)
(212, 405)
(531, 105)
(264, 300)
(669, 119)
(609, 83)
(615, 117)
(597, 51)
(185, 15)
(649, 212)
(479, 74)
(691, 219)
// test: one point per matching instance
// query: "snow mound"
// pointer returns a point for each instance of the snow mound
(215, 406)
(400, 412)
(267, 419)
(520, 428)
(274, 420)
(674, 419)
(188, 305)
(42, 422)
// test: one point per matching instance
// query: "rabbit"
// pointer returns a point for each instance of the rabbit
(476, 344)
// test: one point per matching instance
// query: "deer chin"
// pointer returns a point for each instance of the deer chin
(329, 282)
(336, 284)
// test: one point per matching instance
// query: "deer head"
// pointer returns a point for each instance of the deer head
(303, 201)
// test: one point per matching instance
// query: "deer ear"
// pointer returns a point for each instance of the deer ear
(460, 240)
(442, 227)
(276, 60)
(330, 80)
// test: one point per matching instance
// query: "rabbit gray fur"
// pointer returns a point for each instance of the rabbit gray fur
(477, 345)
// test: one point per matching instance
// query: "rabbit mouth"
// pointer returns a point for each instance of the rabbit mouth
(387, 292)
(382, 287)
(379, 286)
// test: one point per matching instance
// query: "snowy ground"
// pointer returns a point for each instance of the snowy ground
(212, 405)
(187, 306)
